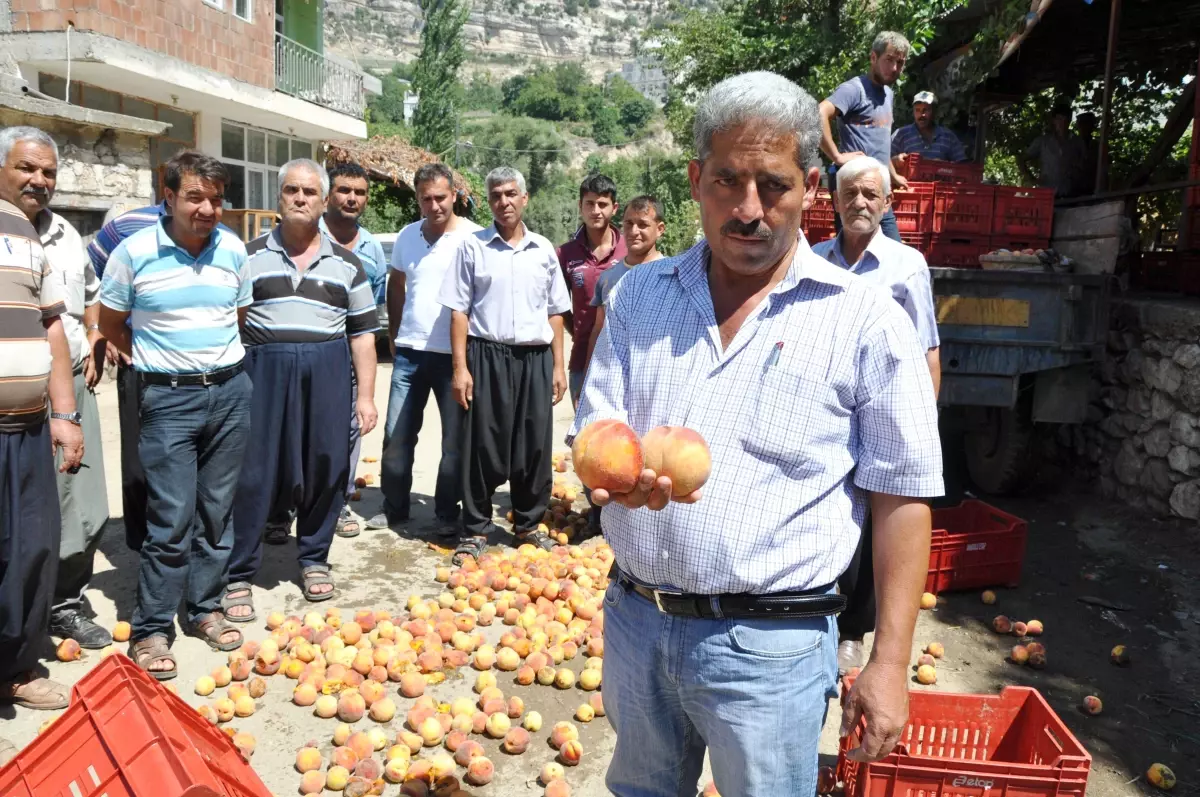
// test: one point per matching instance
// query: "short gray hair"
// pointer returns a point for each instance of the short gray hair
(309, 165)
(890, 38)
(502, 175)
(10, 136)
(763, 97)
(856, 167)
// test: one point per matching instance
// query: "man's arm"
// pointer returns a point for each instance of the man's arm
(94, 358)
(899, 181)
(114, 327)
(1025, 160)
(559, 380)
(596, 327)
(828, 145)
(362, 352)
(65, 435)
(395, 305)
(462, 385)
(933, 358)
(880, 694)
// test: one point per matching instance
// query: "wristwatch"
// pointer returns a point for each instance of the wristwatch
(74, 417)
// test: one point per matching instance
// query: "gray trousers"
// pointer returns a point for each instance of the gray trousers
(83, 501)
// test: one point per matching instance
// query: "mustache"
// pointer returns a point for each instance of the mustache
(36, 191)
(755, 229)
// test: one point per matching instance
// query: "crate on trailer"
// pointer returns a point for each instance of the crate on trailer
(937, 171)
(956, 250)
(965, 209)
(125, 735)
(975, 545)
(821, 212)
(917, 240)
(1158, 271)
(1024, 212)
(914, 208)
(955, 744)
(814, 235)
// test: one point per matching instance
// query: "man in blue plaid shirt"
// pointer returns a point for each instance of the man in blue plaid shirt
(813, 394)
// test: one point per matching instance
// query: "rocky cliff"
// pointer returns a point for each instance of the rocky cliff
(503, 36)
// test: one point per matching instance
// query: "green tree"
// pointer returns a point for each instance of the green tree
(442, 53)
(663, 176)
(530, 145)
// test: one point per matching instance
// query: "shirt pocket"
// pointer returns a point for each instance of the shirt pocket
(796, 418)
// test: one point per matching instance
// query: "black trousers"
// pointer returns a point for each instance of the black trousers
(858, 585)
(29, 540)
(133, 478)
(508, 433)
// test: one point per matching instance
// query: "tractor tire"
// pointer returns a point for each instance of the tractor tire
(998, 450)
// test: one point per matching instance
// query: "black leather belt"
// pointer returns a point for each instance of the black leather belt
(178, 380)
(818, 602)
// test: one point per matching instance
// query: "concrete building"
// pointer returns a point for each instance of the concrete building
(645, 73)
(244, 80)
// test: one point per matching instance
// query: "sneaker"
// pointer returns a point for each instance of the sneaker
(849, 656)
(73, 625)
(379, 521)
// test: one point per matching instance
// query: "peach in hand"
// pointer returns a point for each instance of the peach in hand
(680, 454)
(608, 456)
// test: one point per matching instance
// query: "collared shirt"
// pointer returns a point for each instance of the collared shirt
(581, 270)
(899, 269)
(509, 293)
(424, 323)
(865, 117)
(183, 309)
(330, 299)
(81, 287)
(370, 253)
(608, 280)
(822, 394)
(942, 146)
(1058, 161)
(118, 229)
(30, 294)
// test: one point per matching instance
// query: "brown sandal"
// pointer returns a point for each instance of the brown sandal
(211, 627)
(36, 693)
(152, 650)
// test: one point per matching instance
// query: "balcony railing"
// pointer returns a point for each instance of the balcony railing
(307, 74)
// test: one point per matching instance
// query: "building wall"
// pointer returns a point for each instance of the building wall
(190, 30)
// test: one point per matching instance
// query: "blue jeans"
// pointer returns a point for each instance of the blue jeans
(193, 440)
(674, 686)
(415, 374)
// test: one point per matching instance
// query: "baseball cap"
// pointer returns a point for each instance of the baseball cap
(925, 96)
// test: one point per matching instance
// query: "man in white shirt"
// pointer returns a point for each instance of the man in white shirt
(419, 333)
(507, 298)
(863, 196)
(82, 496)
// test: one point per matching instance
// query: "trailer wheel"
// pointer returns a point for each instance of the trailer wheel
(998, 448)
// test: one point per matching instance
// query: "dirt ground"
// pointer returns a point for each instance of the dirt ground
(1079, 547)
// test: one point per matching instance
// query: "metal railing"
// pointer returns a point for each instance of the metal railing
(307, 74)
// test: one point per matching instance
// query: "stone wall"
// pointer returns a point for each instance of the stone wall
(1142, 438)
(98, 167)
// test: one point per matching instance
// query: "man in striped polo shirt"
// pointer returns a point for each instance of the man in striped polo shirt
(310, 295)
(184, 285)
(35, 361)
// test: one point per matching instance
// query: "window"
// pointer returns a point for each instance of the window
(244, 9)
(253, 158)
(217, 4)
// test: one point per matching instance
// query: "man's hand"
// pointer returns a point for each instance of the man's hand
(845, 157)
(91, 374)
(68, 437)
(652, 491)
(368, 416)
(880, 694)
(560, 384)
(116, 357)
(899, 182)
(463, 387)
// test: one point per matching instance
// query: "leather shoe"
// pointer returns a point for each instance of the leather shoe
(88, 634)
(849, 655)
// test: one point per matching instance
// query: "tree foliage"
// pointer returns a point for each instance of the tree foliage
(436, 71)
(530, 145)
(563, 93)
(663, 176)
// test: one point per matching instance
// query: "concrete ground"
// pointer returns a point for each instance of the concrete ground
(1082, 552)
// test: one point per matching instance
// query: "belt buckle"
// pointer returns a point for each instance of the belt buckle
(204, 378)
(658, 593)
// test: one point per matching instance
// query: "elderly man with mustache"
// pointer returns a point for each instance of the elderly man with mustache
(863, 197)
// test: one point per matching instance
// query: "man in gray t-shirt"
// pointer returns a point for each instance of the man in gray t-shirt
(608, 281)
(863, 108)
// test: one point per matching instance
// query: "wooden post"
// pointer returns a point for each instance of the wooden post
(1110, 60)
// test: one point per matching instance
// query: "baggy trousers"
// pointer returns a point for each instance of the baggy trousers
(29, 538)
(858, 585)
(508, 433)
(133, 478)
(299, 450)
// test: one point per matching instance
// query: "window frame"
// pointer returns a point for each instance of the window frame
(217, 4)
(249, 10)
(265, 171)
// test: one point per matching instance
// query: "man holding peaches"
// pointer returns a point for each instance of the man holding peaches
(811, 391)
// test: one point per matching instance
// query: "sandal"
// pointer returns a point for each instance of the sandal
(347, 525)
(8, 751)
(152, 650)
(36, 693)
(539, 539)
(277, 534)
(228, 602)
(211, 627)
(471, 546)
(313, 576)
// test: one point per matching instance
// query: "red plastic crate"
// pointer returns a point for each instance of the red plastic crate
(914, 207)
(814, 235)
(821, 213)
(975, 545)
(964, 209)
(917, 240)
(1016, 244)
(1024, 212)
(956, 250)
(125, 735)
(936, 171)
(956, 745)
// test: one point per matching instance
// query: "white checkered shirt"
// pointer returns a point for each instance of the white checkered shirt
(847, 403)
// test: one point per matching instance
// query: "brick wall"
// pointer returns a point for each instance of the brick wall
(190, 30)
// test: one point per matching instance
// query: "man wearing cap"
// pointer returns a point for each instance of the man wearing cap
(924, 137)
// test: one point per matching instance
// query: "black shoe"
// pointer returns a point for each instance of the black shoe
(87, 633)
